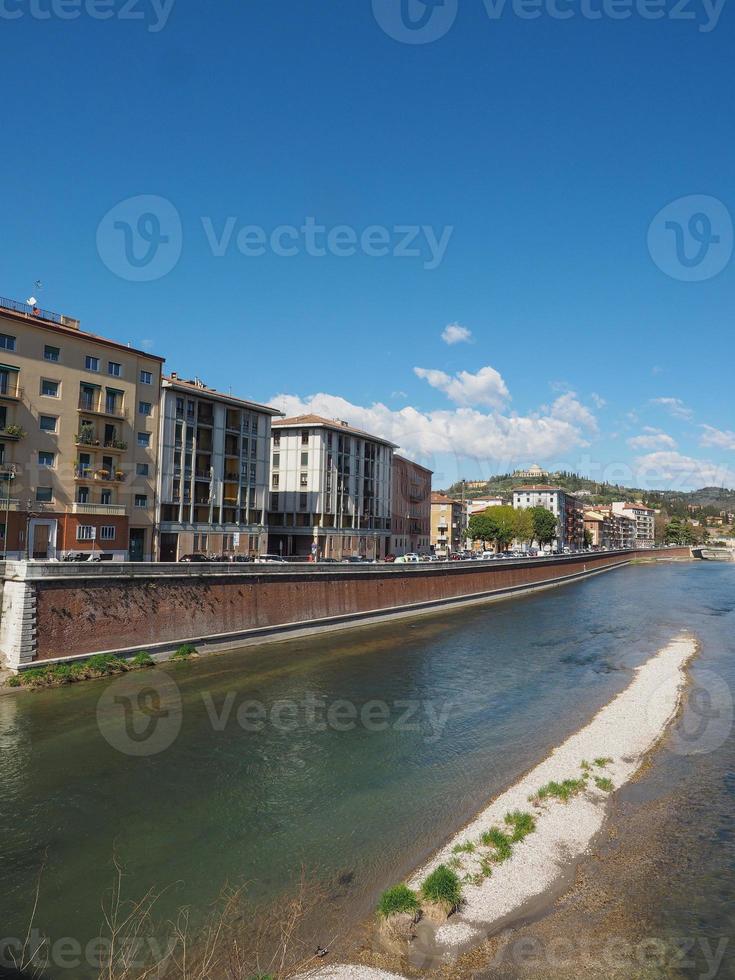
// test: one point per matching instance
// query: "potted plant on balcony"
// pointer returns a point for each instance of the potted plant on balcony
(102, 474)
(119, 475)
(14, 432)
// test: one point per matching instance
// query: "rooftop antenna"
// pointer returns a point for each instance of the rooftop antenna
(37, 287)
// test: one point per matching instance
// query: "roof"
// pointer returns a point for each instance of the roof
(318, 421)
(638, 507)
(59, 328)
(418, 466)
(442, 498)
(544, 489)
(197, 388)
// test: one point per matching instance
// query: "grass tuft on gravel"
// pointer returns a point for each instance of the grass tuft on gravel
(399, 898)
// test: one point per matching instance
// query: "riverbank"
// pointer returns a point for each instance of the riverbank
(601, 757)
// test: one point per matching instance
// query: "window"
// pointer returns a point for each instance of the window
(92, 363)
(146, 377)
(49, 388)
(44, 495)
(47, 423)
(302, 501)
(201, 542)
(304, 459)
(141, 469)
(276, 438)
(114, 369)
(83, 495)
(274, 501)
(141, 500)
(145, 408)
(275, 479)
(85, 532)
(2, 531)
(144, 439)
(276, 460)
(107, 532)
(304, 480)
(304, 437)
(106, 497)
(7, 342)
(51, 353)
(45, 459)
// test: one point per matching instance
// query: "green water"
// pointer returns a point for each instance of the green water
(449, 710)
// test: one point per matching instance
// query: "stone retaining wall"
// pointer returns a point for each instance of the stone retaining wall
(59, 611)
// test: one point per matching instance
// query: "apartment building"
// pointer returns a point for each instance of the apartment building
(410, 508)
(330, 490)
(567, 509)
(213, 472)
(448, 523)
(644, 518)
(78, 439)
(478, 505)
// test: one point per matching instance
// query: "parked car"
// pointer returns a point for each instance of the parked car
(355, 560)
(328, 561)
(389, 559)
(195, 557)
(241, 558)
(271, 560)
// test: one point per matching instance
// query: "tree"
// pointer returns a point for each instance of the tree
(524, 530)
(679, 532)
(587, 538)
(504, 519)
(481, 528)
(544, 525)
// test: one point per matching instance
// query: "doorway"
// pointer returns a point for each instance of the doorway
(136, 548)
(169, 544)
(42, 540)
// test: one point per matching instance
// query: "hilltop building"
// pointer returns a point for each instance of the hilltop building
(532, 473)
(78, 439)
(214, 472)
(330, 494)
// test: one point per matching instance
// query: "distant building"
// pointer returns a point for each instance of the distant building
(410, 508)
(480, 504)
(213, 473)
(644, 518)
(330, 489)
(447, 525)
(566, 508)
(532, 473)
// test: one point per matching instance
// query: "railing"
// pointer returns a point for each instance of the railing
(9, 390)
(96, 408)
(35, 313)
(107, 510)
(9, 503)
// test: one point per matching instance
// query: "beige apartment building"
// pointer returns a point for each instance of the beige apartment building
(213, 472)
(447, 525)
(78, 439)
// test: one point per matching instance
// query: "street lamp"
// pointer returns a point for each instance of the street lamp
(9, 473)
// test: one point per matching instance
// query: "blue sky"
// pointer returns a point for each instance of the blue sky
(563, 189)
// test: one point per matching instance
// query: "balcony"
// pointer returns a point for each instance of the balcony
(90, 406)
(9, 503)
(91, 445)
(10, 391)
(104, 510)
(12, 433)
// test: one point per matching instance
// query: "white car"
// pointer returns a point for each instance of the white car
(271, 560)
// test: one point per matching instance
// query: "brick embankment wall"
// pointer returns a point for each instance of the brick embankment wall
(71, 610)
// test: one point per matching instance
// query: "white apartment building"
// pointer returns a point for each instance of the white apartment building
(330, 492)
(564, 506)
(213, 472)
(644, 518)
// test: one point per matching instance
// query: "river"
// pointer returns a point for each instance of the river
(355, 753)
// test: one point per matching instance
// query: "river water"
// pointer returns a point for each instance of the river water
(355, 754)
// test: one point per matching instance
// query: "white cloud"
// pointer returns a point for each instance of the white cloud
(484, 388)
(723, 439)
(674, 406)
(462, 431)
(597, 400)
(677, 472)
(455, 333)
(652, 439)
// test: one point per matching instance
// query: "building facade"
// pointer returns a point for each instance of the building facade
(478, 505)
(78, 439)
(644, 518)
(447, 525)
(410, 508)
(213, 472)
(567, 509)
(330, 493)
